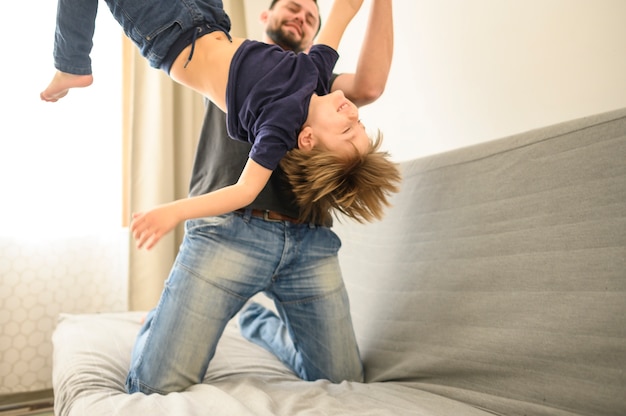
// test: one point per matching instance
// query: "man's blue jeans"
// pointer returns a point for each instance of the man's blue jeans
(222, 262)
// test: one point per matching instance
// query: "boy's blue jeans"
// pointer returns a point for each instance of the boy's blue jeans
(222, 262)
(153, 25)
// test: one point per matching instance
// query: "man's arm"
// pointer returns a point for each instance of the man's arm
(341, 13)
(367, 84)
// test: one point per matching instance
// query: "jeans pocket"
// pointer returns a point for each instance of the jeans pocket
(207, 224)
(142, 24)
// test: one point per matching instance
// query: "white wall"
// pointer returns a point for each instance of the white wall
(471, 71)
(42, 276)
(62, 247)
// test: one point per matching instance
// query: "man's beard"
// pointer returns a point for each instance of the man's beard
(282, 39)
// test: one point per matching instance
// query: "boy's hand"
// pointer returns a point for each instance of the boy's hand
(148, 227)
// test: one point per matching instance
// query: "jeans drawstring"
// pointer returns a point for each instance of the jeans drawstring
(194, 36)
(193, 45)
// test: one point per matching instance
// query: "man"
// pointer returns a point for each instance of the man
(223, 261)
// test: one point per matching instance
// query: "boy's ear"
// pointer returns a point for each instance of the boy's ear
(306, 141)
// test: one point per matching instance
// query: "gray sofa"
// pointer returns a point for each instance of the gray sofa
(496, 284)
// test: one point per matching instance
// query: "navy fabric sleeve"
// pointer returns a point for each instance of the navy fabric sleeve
(324, 57)
(270, 146)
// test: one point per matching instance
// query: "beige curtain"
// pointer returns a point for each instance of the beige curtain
(162, 121)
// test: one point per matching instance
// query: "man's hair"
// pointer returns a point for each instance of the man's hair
(325, 183)
(276, 1)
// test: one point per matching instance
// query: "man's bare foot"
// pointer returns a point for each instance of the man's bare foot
(61, 84)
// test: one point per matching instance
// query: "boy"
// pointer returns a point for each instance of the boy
(276, 100)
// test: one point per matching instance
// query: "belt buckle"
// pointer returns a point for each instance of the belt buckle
(266, 216)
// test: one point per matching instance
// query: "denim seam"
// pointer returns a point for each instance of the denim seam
(142, 387)
(198, 276)
(314, 298)
(139, 361)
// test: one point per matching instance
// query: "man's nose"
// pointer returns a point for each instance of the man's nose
(300, 17)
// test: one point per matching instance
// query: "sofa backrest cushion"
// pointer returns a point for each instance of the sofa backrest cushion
(498, 277)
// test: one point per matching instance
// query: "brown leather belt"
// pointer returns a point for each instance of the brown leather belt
(269, 215)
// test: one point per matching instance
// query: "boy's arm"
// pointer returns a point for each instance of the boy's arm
(148, 227)
(367, 84)
(340, 15)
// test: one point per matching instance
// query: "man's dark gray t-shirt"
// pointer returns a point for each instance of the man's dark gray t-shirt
(219, 161)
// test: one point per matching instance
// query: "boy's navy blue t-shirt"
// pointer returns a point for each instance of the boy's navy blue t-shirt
(268, 96)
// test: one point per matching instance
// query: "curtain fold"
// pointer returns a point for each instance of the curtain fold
(162, 122)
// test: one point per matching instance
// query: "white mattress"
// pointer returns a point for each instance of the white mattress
(92, 354)
(496, 281)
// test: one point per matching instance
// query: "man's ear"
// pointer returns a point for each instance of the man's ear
(306, 140)
(263, 17)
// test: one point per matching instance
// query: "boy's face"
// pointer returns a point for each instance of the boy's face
(291, 24)
(334, 125)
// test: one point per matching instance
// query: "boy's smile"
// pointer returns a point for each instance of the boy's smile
(334, 124)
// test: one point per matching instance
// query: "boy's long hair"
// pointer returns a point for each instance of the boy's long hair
(325, 183)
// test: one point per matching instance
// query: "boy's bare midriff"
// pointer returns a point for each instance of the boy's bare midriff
(207, 72)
